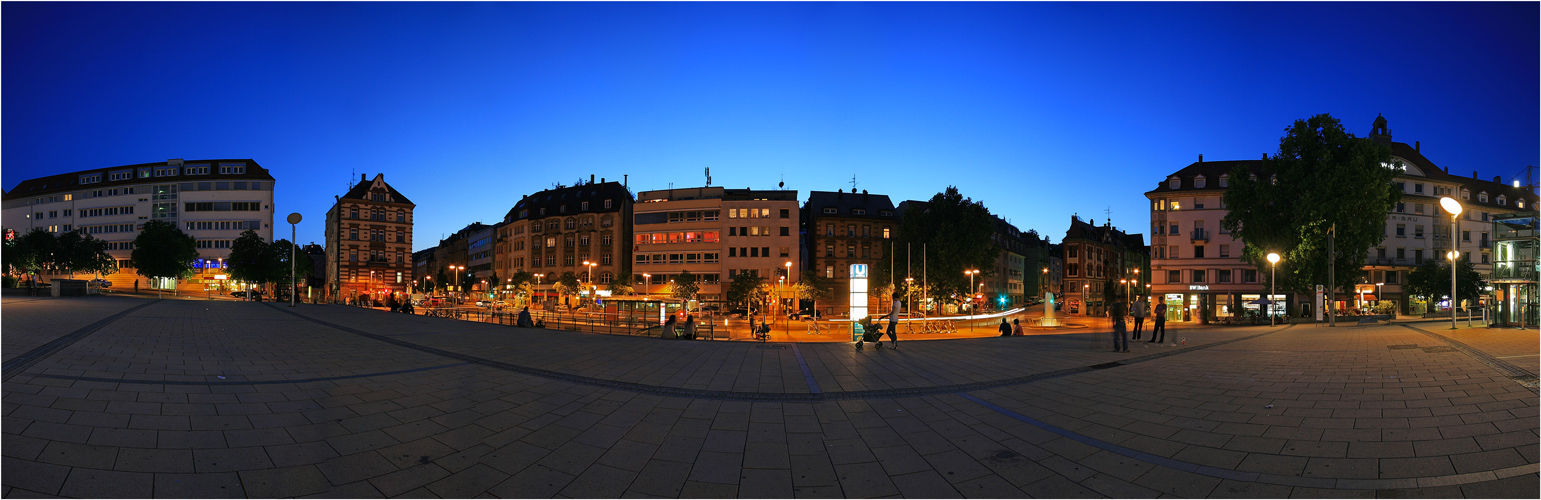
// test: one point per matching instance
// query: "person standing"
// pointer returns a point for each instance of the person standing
(1140, 306)
(1120, 334)
(1158, 332)
(893, 322)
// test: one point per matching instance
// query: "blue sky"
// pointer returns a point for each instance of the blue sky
(1040, 110)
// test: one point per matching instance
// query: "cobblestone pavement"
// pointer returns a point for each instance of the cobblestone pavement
(235, 399)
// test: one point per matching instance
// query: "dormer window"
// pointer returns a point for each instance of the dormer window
(1519, 203)
(1482, 197)
(1198, 182)
(1225, 180)
(829, 210)
(523, 214)
(886, 213)
(1502, 200)
(232, 168)
(1466, 194)
(858, 211)
(1174, 183)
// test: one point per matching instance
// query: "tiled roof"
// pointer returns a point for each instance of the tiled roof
(62, 183)
(843, 203)
(572, 196)
(360, 191)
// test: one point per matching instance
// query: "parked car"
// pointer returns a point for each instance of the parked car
(238, 294)
(806, 314)
(101, 283)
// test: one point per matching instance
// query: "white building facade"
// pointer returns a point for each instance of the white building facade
(214, 201)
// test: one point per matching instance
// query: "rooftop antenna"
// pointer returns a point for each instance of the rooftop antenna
(351, 175)
(783, 184)
(1109, 212)
(853, 183)
(708, 176)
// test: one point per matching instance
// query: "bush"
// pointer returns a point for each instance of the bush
(1385, 307)
(10, 282)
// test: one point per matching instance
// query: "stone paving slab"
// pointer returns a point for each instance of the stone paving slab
(216, 399)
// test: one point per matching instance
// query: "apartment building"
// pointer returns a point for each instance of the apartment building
(716, 234)
(558, 230)
(214, 201)
(369, 242)
(842, 229)
(1197, 267)
(1193, 256)
(1096, 258)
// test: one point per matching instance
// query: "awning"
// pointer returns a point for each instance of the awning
(1261, 301)
(1369, 297)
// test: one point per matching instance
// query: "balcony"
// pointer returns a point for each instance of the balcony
(1485, 244)
(1200, 235)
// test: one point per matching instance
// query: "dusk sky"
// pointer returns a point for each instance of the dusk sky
(1039, 110)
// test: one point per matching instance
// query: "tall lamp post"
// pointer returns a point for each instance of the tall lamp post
(1273, 263)
(1454, 207)
(593, 290)
(647, 279)
(294, 218)
(971, 291)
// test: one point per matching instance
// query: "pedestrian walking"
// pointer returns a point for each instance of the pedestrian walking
(1120, 334)
(1016, 327)
(893, 322)
(1005, 328)
(136, 286)
(1139, 315)
(1158, 332)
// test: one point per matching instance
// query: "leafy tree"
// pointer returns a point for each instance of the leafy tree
(567, 284)
(278, 264)
(685, 286)
(1321, 176)
(955, 232)
(251, 259)
(163, 251)
(440, 280)
(89, 255)
(522, 281)
(744, 288)
(494, 284)
(1431, 280)
(623, 285)
(34, 252)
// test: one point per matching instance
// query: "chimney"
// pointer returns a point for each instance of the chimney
(1201, 157)
(1474, 174)
(1416, 147)
(1498, 179)
(1447, 169)
(601, 180)
(591, 178)
(363, 177)
(623, 179)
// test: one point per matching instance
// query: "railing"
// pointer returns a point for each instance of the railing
(1200, 235)
(1524, 270)
(595, 323)
(1485, 244)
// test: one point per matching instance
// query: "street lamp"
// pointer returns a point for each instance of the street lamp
(795, 305)
(971, 291)
(294, 218)
(1126, 286)
(1273, 263)
(593, 290)
(647, 279)
(1085, 288)
(1454, 207)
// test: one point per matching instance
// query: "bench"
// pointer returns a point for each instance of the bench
(1371, 320)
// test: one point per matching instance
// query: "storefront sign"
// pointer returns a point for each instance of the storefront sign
(1198, 287)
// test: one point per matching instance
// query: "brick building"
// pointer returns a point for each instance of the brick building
(369, 242)
(841, 229)
(556, 230)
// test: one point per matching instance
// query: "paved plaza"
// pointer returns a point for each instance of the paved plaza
(131, 397)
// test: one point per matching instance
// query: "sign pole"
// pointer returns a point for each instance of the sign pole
(294, 218)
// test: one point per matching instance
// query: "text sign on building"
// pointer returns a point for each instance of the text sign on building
(858, 298)
(1198, 287)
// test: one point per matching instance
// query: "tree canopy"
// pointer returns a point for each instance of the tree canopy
(622, 285)
(1321, 176)
(163, 251)
(1431, 280)
(955, 232)
(251, 259)
(685, 285)
(743, 288)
